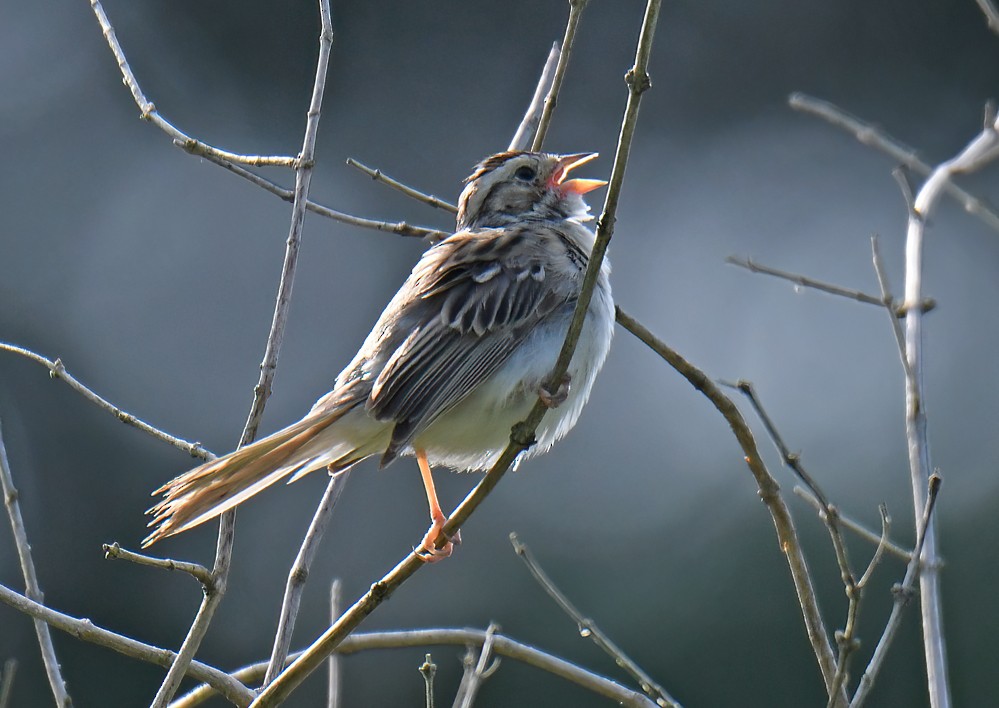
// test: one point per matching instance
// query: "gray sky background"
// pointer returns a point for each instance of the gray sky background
(152, 274)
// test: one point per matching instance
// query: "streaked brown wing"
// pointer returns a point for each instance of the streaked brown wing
(473, 298)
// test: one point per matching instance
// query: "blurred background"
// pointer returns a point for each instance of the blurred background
(152, 274)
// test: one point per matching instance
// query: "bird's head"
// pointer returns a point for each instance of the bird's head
(513, 186)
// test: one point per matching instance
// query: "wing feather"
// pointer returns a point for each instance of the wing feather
(469, 303)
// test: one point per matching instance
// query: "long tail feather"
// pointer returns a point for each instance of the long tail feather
(217, 486)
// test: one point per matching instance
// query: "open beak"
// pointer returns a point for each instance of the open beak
(567, 163)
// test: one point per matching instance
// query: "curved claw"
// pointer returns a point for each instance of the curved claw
(556, 399)
(428, 551)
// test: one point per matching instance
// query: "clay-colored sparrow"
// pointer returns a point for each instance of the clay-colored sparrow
(459, 355)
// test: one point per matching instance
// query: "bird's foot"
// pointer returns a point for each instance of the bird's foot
(556, 399)
(428, 551)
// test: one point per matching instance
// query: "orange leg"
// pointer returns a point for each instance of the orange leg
(432, 553)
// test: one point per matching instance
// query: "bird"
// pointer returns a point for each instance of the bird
(459, 355)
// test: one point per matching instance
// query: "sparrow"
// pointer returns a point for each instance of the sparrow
(460, 354)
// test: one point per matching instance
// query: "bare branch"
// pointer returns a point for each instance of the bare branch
(856, 527)
(379, 176)
(87, 631)
(113, 551)
(299, 573)
(149, 112)
(261, 392)
(787, 536)
(58, 371)
(803, 281)
(873, 136)
(589, 630)
(502, 646)
(33, 591)
(903, 594)
(528, 127)
(576, 8)
(981, 150)
(476, 672)
(522, 435)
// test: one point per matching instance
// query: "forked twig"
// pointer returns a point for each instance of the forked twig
(149, 112)
(400, 228)
(903, 594)
(52, 670)
(58, 371)
(522, 435)
(588, 629)
(477, 670)
(858, 528)
(877, 138)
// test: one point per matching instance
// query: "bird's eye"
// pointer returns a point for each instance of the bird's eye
(526, 174)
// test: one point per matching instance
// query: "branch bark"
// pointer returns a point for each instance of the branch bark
(33, 591)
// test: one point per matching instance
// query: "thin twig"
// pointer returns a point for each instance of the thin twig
(476, 672)
(883, 545)
(428, 669)
(528, 127)
(379, 176)
(889, 302)
(847, 638)
(588, 629)
(32, 589)
(149, 113)
(576, 8)
(87, 631)
(903, 594)
(803, 281)
(58, 371)
(855, 526)
(875, 137)
(7, 681)
(991, 14)
(113, 551)
(261, 392)
(334, 684)
(769, 491)
(522, 435)
(299, 574)
(981, 150)
(400, 228)
(502, 646)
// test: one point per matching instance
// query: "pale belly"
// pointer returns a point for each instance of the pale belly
(473, 434)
